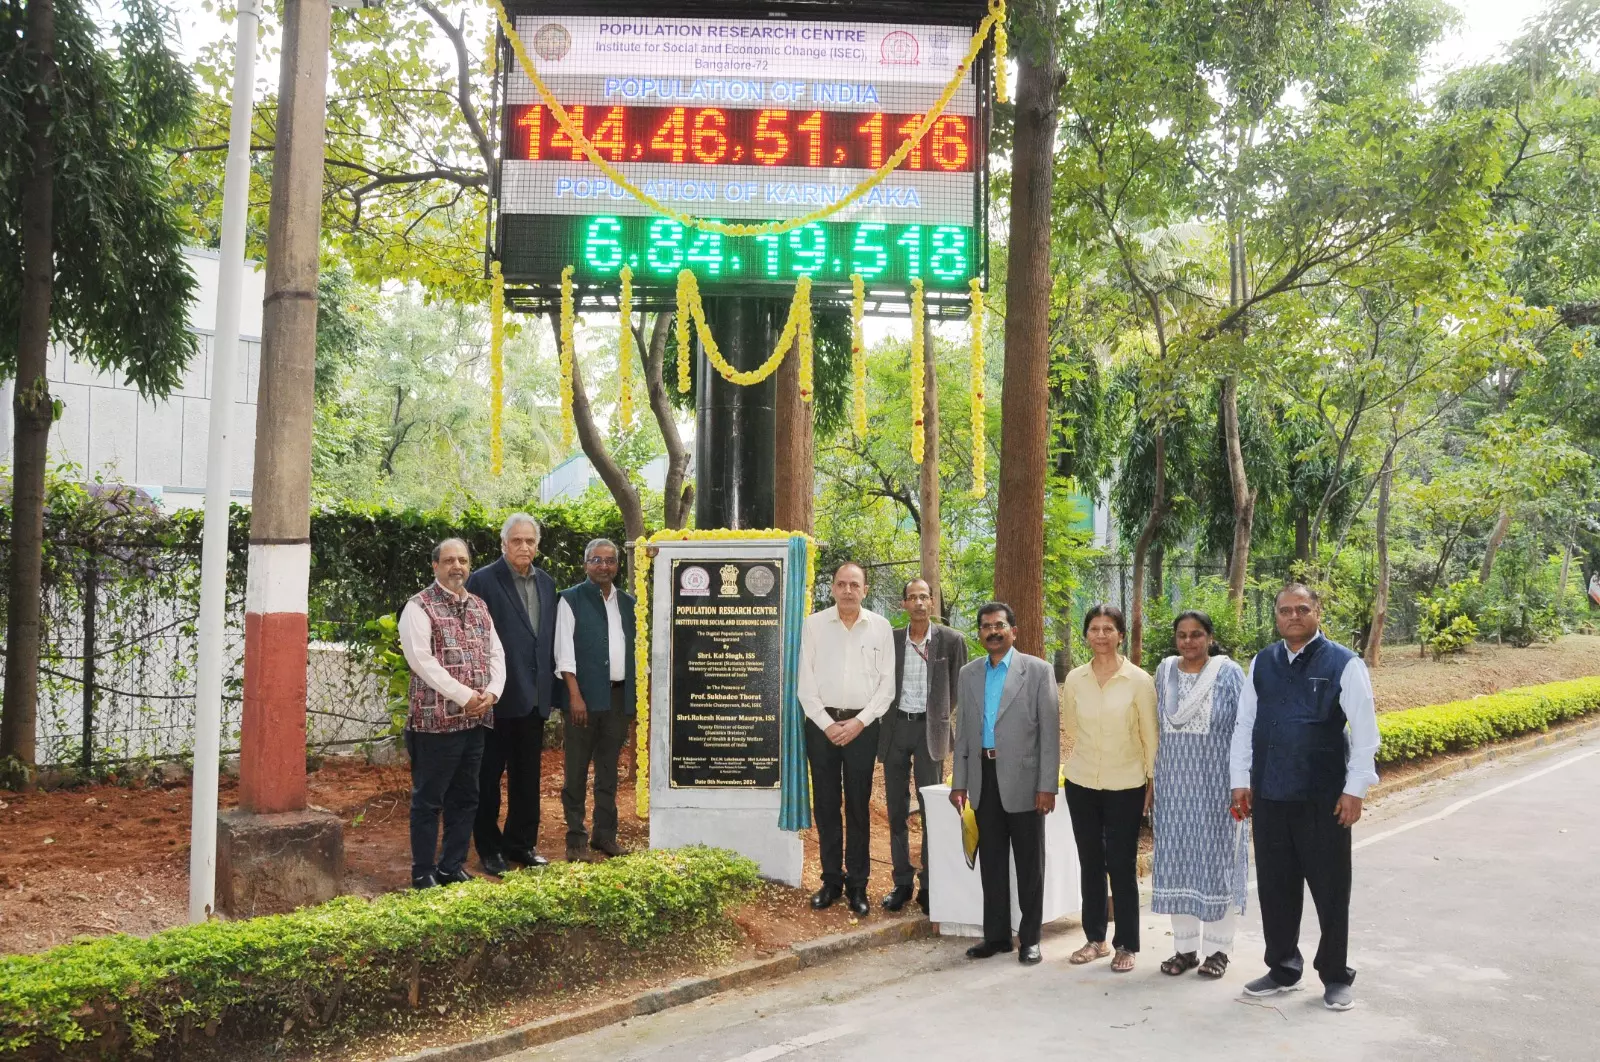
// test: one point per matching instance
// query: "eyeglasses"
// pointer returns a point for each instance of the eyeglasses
(602, 562)
(994, 628)
(1295, 610)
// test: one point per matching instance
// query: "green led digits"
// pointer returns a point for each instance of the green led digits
(666, 247)
(949, 258)
(602, 250)
(869, 240)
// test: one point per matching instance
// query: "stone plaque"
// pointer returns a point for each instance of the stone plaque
(727, 657)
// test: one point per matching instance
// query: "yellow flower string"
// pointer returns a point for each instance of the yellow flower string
(575, 134)
(625, 353)
(497, 368)
(918, 373)
(567, 426)
(641, 618)
(802, 307)
(979, 410)
(685, 280)
(1002, 91)
(858, 353)
(796, 333)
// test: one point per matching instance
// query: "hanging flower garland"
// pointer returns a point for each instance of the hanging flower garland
(497, 368)
(625, 353)
(574, 132)
(858, 354)
(918, 373)
(796, 333)
(979, 410)
(685, 281)
(1002, 91)
(641, 622)
(568, 428)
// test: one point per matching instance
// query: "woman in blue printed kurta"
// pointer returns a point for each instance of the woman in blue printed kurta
(1202, 854)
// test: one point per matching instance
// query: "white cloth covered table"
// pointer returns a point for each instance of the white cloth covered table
(957, 893)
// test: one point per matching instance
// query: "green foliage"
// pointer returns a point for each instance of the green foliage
(1417, 733)
(251, 975)
(1238, 636)
(379, 642)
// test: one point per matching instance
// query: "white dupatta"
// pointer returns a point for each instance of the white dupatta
(1190, 705)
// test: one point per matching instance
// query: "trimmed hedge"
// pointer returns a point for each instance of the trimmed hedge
(1416, 733)
(107, 994)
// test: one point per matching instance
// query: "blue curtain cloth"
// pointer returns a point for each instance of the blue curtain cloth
(794, 811)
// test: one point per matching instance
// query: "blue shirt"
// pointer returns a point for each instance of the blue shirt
(994, 683)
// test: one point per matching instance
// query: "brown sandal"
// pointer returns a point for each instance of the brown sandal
(1215, 966)
(1095, 949)
(1179, 964)
(1122, 962)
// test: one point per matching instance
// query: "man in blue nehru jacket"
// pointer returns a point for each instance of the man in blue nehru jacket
(1302, 759)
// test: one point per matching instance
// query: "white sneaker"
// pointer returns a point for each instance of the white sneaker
(1338, 997)
(1266, 986)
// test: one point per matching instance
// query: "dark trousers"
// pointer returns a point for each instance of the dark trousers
(1105, 825)
(1002, 836)
(1300, 844)
(907, 760)
(842, 773)
(444, 779)
(598, 742)
(513, 748)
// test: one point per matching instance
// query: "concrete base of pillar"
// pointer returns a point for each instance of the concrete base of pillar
(270, 864)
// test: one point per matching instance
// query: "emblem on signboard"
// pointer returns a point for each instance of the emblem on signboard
(899, 49)
(760, 580)
(730, 580)
(694, 581)
(552, 42)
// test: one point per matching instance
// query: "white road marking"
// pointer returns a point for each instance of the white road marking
(784, 1047)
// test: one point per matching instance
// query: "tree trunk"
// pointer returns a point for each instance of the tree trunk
(677, 496)
(1566, 570)
(1380, 600)
(1158, 584)
(796, 461)
(1501, 526)
(1244, 499)
(1141, 549)
(32, 406)
(1019, 525)
(929, 531)
(1302, 535)
(594, 448)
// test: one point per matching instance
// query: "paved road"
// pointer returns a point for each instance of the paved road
(1475, 928)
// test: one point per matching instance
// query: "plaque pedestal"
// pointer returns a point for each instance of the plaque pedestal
(716, 654)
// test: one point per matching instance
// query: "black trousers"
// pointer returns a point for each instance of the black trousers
(1002, 836)
(513, 749)
(1105, 826)
(1299, 844)
(444, 779)
(599, 742)
(908, 760)
(842, 774)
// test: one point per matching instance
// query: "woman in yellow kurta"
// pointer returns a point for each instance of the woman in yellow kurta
(1108, 708)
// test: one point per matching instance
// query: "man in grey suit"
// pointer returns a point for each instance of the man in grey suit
(1008, 758)
(915, 737)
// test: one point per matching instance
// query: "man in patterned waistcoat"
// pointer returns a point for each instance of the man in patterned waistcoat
(1304, 741)
(594, 658)
(458, 671)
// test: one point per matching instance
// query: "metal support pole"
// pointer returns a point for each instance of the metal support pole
(91, 594)
(219, 475)
(735, 427)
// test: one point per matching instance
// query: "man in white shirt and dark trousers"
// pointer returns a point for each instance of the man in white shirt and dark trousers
(846, 683)
(458, 670)
(1302, 778)
(595, 629)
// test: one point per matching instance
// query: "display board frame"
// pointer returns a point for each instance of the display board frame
(653, 293)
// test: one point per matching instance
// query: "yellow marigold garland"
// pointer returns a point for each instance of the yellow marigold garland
(996, 17)
(625, 353)
(858, 354)
(685, 281)
(979, 410)
(567, 427)
(796, 333)
(918, 373)
(641, 619)
(1002, 91)
(497, 368)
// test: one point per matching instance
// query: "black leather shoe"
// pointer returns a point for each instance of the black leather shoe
(859, 905)
(526, 857)
(988, 948)
(424, 881)
(898, 898)
(609, 847)
(452, 877)
(495, 864)
(825, 897)
(922, 900)
(1030, 956)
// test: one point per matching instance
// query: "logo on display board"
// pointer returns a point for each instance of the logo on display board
(899, 49)
(552, 42)
(730, 581)
(760, 580)
(694, 581)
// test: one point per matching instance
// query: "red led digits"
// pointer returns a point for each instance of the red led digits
(771, 145)
(812, 127)
(559, 137)
(669, 137)
(530, 121)
(710, 142)
(608, 138)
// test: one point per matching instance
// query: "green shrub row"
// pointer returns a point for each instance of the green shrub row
(350, 952)
(1416, 733)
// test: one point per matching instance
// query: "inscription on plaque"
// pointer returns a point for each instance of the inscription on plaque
(727, 660)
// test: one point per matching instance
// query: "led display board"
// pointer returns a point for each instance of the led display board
(743, 121)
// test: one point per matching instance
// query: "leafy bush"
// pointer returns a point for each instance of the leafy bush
(1445, 621)
(1461, 633)
(1241, 637)
(94, 996)
(1420, 732)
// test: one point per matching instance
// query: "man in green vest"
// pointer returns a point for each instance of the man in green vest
(594, 658)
